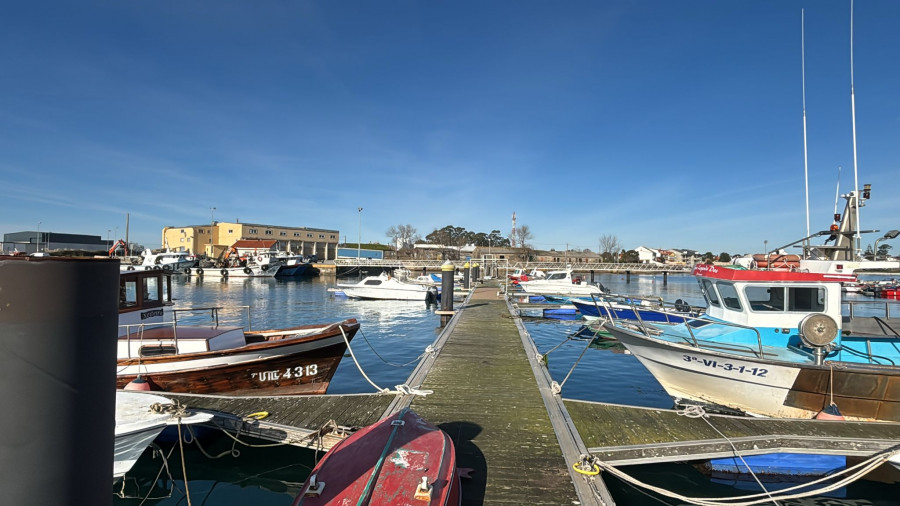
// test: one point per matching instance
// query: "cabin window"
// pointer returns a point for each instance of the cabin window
(729, 296)
(128, 294)
(709, 292)
(151, 290)
(806, 299)
(765, 298)
(373, 282)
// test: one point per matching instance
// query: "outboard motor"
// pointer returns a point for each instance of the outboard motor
(431, 296)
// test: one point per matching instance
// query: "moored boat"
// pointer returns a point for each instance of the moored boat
(401, 459)
(774, 343)
(219, 359)
(561, 282)
(140, 418)
(386, 287)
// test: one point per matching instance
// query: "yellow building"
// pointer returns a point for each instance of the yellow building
(213, 240)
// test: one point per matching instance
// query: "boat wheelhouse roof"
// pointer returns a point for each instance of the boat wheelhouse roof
(732, 274)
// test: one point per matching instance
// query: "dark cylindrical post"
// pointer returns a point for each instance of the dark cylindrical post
(58, 321)
(467, 272)
(665, 278)
(627, 277)
(446, 290)
(592, 276)
(475, 272)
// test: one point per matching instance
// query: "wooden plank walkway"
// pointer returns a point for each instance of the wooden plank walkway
(490, 400)
(312, 421)
(621, 435)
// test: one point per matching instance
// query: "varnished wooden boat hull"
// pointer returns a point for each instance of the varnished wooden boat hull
(278, 366)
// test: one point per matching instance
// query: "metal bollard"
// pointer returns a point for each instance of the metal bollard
(58, 321)
(446, 291)
(466, 275)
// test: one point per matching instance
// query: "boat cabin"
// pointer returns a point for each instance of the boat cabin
(144, 297)
(769, 298)
(147, 323)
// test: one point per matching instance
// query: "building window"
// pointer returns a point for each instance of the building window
(331, 236)
(182, 239)
(321, 236)
(254, 231)
(268, 232)
(230, 231)
(296, 234)
(282, 234)
(309, 236)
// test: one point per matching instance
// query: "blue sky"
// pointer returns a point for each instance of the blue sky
(667, 124)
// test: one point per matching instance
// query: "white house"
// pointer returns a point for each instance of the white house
(647, 255)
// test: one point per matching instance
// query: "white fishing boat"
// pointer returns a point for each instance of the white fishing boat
(140, 418)
(774, 343)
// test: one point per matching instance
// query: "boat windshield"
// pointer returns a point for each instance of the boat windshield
(556, 275)
(729, 295)
(807, 299)
(709, 292)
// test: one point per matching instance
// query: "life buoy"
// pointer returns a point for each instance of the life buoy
(259, 259)
(157, 260)
(167, 267)
(247, 270)
(130, 268)
(224, 273)
(199, 271)
(264, 267)
(187, 270)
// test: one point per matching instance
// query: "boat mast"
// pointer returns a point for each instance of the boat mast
(857, 240)
(805, 159)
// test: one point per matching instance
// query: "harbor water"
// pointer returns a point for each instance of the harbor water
(393, 335)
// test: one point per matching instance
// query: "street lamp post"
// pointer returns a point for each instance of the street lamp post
(107, 240)
(359, 235)
(37, 248)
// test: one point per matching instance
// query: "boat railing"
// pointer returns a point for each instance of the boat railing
(137, 330)
(853, 307)
(687, 319)
(213, 313)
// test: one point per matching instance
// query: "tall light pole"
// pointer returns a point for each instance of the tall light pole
(37, 248)
(107, 240)
(212, 224)
(359, 235)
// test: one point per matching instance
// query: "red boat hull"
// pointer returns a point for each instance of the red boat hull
(384, 464)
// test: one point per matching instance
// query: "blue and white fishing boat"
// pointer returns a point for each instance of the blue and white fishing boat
(774, 343)
(630, 308)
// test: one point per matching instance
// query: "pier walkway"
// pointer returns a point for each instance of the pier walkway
(487, 399)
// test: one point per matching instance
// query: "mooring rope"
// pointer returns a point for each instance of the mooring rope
(429, 349)
(347, 342)
(850, 474)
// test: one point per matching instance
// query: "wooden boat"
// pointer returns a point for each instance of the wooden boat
(218, 359)
(138, 424)
(774, 343)
(401, 459)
